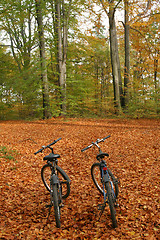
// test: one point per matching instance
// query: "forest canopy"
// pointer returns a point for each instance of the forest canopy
(79, 58)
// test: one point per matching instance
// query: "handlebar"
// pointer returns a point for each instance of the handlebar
(95, 143)
(44, 147)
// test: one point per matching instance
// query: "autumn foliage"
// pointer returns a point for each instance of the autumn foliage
(134, 149)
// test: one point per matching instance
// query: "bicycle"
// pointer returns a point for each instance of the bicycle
(55, 180)
(105, 181)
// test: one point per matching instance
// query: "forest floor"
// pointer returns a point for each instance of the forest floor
(134, 157)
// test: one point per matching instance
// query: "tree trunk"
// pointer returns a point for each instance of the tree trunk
(115, 62)
(156, 86)
(45, 91)
(127, 57)
(61, 32)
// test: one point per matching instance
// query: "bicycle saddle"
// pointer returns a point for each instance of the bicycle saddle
(102, 155)
(51, 157)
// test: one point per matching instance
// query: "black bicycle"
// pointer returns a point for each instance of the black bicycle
(56, 182)
(105, 181)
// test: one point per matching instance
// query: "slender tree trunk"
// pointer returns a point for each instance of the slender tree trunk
(115, 62)
(127, 56)
(45, 91)
(156, 85)
(61, 32)
(58, 40)
(58, 43)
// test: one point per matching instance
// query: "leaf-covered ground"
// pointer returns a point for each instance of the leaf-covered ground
(134, 149)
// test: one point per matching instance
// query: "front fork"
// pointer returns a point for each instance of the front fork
(105, 179)
(55, 181)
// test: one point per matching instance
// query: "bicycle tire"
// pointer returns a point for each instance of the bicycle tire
(63, 178)
(55, 201)
(111, 204)
(96, 177)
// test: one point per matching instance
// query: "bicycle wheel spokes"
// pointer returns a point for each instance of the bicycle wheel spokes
(63, 184)
(46, 174)
(114, 183)
(96, 176)
(63, 178)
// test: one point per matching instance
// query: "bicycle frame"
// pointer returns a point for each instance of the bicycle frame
(109, 182)
(104, 172)
(53, 177)
(53, 172)
(105, 178)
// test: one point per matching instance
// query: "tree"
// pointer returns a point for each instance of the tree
(115, 62)
(60, 16)
(6, 73)
(45, 91)
(145, 41)
(127, 54)
(18, 23)
(89, 80)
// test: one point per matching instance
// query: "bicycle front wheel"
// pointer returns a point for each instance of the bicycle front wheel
(96, 177)
(62, 176)
(55, 201)
(111, 204)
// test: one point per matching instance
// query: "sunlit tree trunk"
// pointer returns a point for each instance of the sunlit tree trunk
(156, 85)
(45, 91)
(115, 62)
(127, 56)
(61, 34)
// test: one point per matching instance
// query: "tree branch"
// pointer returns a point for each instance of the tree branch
(117, 5)
(145, 10)
(103, 7)
(148, 42)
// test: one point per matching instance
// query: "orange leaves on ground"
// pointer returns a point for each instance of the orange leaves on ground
(134, 149)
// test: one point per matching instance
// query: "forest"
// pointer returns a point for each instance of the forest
(79, 58)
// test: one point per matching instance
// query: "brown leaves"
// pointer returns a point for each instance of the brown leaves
(134, 159)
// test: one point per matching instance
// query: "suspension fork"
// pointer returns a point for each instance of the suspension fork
(55, 181)
(107, 179)
(104, 178)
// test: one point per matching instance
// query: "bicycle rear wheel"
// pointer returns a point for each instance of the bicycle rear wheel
(111, 204)
(96, 177)
(63, 178)
(55, 200)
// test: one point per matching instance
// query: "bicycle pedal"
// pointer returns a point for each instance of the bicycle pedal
(48, 205)
(101, 206)
(62, 205)
(118, 181)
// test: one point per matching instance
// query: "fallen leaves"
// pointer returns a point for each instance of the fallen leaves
(134, 151)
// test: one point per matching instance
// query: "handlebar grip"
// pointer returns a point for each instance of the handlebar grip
(58, 139)
(53, 142)
(84, 149)
(40, 150)
(106, 137)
